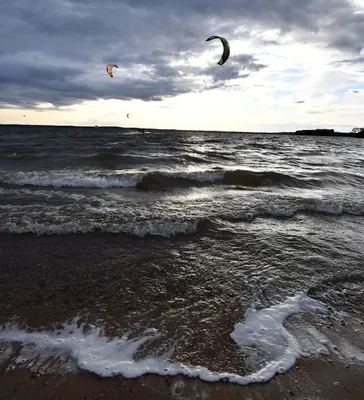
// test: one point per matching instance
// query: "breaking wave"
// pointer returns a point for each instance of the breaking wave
(104, 217)
(159, 180)
(148, 228)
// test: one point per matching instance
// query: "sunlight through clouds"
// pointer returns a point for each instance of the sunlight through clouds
(287, 59)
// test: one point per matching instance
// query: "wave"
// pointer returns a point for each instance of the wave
(98, 215)
(163, 228)
(68, 179)
(331, 207)
(156, 180)
(47, 194)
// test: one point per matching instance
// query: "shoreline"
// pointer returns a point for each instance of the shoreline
(308, 379)
(55, 288)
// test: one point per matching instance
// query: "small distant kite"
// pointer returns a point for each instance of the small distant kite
(225, 43)
(109, 68)
(299, 102)
(127, 115)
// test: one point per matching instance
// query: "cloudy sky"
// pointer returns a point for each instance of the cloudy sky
(293, 64)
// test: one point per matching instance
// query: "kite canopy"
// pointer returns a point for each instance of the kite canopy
(127, 115)
(225, 43)
(109, 68)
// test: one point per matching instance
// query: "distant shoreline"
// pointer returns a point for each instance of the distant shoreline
(302, 132)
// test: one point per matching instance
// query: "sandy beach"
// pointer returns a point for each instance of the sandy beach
(309, 379)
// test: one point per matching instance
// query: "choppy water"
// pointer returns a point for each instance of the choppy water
(76, 180)
(237, 221)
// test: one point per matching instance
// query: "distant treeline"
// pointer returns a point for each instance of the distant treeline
(319, 132)
(356, 132)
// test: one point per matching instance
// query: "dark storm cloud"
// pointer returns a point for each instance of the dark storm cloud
(26, 85)
(357, 60)
(56, 51)
(347, 31)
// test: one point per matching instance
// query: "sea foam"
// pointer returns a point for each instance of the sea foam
(261, 335)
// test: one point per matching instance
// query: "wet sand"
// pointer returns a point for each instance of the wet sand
(309, 379)
(122, 283)
(47, 280)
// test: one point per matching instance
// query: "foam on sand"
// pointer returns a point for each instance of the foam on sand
(269, 347)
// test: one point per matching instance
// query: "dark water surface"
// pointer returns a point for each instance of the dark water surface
(184, 232)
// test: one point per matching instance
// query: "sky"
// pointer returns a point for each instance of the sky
(293, 64)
